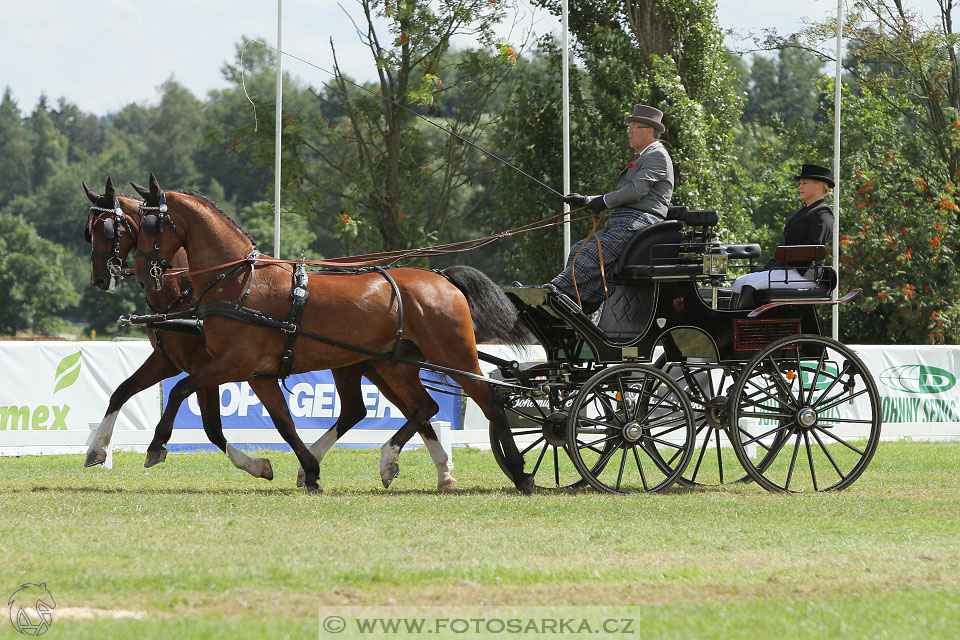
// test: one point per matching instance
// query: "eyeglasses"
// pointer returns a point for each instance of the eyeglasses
(631, 127)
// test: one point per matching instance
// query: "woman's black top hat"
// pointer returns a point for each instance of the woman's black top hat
(815, 172)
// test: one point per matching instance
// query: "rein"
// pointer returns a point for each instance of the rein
(371, 259)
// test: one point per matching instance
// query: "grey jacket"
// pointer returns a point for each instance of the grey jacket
(646, 183)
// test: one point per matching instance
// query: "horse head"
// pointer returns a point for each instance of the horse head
(111, 230)
(155, 248)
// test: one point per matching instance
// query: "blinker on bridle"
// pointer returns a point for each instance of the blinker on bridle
(113, 220)
(152, 224)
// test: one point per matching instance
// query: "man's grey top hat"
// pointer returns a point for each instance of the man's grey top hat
(648, 116)
(815, 172)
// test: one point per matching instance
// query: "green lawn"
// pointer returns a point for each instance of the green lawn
(195, 548)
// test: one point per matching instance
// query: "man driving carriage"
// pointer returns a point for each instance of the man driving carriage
(641, 198)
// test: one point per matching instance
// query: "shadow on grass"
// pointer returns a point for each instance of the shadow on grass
(266, 491)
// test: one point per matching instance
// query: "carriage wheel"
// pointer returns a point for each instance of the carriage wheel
(707, 387)
(818, 411)
(630, 430)
(542, 443)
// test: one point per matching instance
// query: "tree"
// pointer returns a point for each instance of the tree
(33, 285)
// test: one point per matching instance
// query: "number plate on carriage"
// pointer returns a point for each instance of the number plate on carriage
(753, 335)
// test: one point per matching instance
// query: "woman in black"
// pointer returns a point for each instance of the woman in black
(813, 224)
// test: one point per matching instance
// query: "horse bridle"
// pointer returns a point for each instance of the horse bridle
(152, 224)
(111, 231)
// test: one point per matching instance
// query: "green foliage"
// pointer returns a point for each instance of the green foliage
(33, 285)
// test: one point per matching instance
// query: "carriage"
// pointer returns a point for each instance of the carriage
(680, 380)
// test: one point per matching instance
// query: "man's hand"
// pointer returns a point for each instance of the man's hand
(575, 200)
(596, 204)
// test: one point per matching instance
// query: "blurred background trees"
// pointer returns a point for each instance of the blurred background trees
(361, 174)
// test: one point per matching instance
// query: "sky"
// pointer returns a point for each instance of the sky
(104, 54)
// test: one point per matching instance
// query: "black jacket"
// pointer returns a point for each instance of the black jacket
(811, 225)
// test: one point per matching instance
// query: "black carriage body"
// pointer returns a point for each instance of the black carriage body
(660, 293)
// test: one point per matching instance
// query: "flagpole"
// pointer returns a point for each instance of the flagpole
(836, 167)
(565, 89)
(276, 142)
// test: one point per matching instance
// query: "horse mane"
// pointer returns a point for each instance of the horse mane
(198, 196)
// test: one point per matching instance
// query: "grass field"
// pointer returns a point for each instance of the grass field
(194, 548)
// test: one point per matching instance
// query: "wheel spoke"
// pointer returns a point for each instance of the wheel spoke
(748, 434)
(841, 399)
(800, 393)
(845, 420)
(535, 419)
(623, 461)
(838, 439)
(590, 445)
(778, 380)
(793, 461)
(556, 466)
(763, 435)
(813, 474)
(846, 367)
(643, 477)
(526, 432)
(816, 374)
(829, 457)
(535, 443)
(540, 459)
(703, 450)
(719, 457)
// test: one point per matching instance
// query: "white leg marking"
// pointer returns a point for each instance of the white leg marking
(389, 455)
(445, 481)
(104, 431)
(318, 449)
(242, 461)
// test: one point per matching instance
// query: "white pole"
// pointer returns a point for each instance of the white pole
(836, 167)
(276, 144)
(566, 134)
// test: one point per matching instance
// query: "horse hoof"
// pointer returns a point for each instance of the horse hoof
(526, 484)
(388, 473)
(95, 457)
(155, 457)
(314, 489)
(301, 477)
(266, 469)
(449, 485)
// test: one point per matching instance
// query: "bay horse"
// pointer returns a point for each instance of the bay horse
(112, 237)
(112, 229)
(442, 314)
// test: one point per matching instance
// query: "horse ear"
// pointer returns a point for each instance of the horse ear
(109, 190)
(155, 188)
(93, 197)
(143, 191)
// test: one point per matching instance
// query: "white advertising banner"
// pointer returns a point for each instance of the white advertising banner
(53, 388)
(919, 395)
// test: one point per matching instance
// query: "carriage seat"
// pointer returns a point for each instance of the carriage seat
(798, 257)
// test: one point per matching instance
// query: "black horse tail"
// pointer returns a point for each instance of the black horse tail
(494, 316)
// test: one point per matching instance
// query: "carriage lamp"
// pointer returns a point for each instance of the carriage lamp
(714, 266)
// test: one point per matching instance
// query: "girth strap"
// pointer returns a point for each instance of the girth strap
(396, 291)
(299, 292)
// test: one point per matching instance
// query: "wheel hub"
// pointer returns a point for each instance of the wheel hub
(555, 429)
(806, 417)
(632, 431)
(715, 411)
